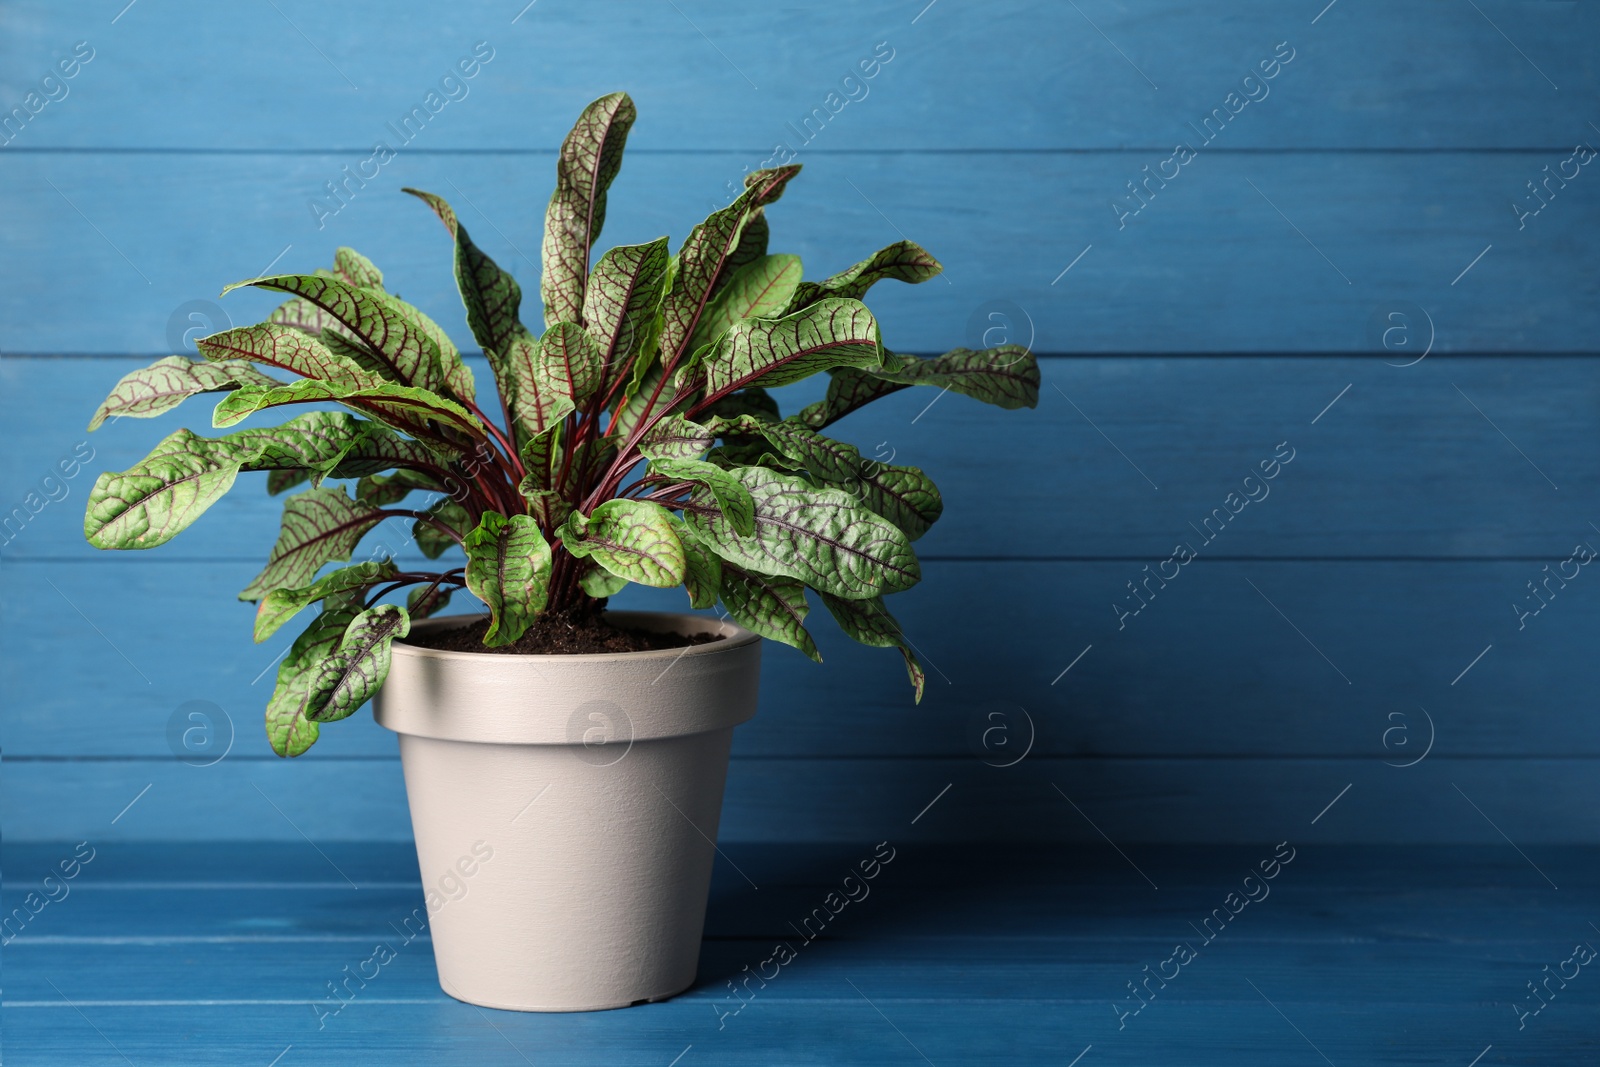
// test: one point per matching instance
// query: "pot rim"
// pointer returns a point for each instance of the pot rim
(734, 637)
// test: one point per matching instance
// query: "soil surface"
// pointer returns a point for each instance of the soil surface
(556, 635)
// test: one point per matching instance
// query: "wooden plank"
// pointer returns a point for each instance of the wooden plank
(1194, 427)
(1209, 265)
(1074, 79)
(1536, 801)
(1209, 668)
(1418, 955)
(844, 1030)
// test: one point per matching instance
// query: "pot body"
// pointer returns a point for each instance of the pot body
(565, 810)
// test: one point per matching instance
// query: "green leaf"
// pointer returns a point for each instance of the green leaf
(1007, 376)
(287, 349)
(904, 495)
(761, 289)
(705, 254)
(620, 301)
(508, 568)
(434, 542)
(415, 411)
(490, 295)
(536, 403)
(353, 268)
(731, 495)
(282, 604)
(388, 328)
(285, 478)
(675, 437)
(590, 157)
(381, 490)
(601, 583)
(153, 501)
(824, 537)
(570, 360)
(426, 600)
(848, 390)
(702, 571)
(773, 607)
(319, 526)
(829, 333)
(633, 539)
(636, 406)
(492, 298)
(315, 440)
(355, 671)
(869, 622)
(289, 731)
(751, 247)
(754, 401)
(904, 261)
(166, 383)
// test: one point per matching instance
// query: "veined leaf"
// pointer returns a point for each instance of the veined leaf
(620, 301)
(153, 501)
(904, 261)
(492, 298)
(315, 440)
(848, 390)
(675, 437)
(416, 411)
(387, 327)
(426, 600)
(705, 254)
(536, 403)
(166, 383)
(281, 605)
(904, 495)
(601, 583)
(759, 289)
(490, 295)
(702, 570)
(289, 731)
(286, 478)
(829, 333)
(353, 268)
(633, 539)
(752, 246)
(824, 537)
(286, 348)
(355, 671)
(869, 622)
(773, 607)
(570, 360)
(379, 448)
(381, 490)
(731, 495)
(751, 400)
(1007, 376)
(434, 542)
(508, 568)
(319, 526)
(590, 157)
(457, 375)
(636, 406)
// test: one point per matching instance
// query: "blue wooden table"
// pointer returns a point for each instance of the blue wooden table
(250, 954)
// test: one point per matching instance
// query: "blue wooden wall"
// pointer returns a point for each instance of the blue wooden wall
(1363, 263)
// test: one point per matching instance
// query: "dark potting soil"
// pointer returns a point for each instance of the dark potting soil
(556, 635)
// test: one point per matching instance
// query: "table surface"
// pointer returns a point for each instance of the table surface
(207, 953)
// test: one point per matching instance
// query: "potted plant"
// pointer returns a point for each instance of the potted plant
(564, 764)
